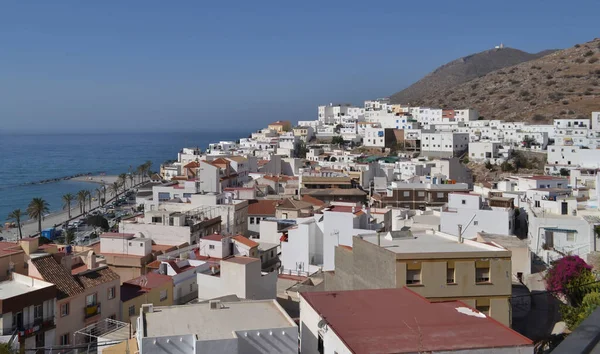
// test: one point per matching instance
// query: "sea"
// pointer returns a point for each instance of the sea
(27, 159)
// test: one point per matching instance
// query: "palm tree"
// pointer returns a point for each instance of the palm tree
(104, 192)
(99, 195)
(131, 179)
(81, 199)
(68, 199)
(88, 194)
(16, 216)
(123, 181)
(114, 189)
(36, 210)
(140, 172)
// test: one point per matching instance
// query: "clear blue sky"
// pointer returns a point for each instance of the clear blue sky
(180, 65)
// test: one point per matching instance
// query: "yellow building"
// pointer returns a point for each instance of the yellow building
(152, 288)
(281, 126)
(434, 265)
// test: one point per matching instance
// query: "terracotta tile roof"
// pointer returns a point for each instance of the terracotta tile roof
(237, 158)
(312, 200)
(262, 207)
(292, 204)
(154, 264)
(52, 272)
(96, 277)
(245, 241)
(213, 237)
(193, 164)
(384, 321)
(150, 280)
(220, 161)
(9, 248)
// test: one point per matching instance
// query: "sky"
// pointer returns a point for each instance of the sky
(119, 66)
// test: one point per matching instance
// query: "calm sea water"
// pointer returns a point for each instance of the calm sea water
(30, 158)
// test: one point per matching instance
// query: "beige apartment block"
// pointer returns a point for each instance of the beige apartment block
(438, 266)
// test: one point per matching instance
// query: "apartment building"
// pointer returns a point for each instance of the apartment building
(87, 292)
(151, 288)
(438, 266)
(27, 311)
(488, 151)
(399, 321)
(379, 137)
(260, 326)
(444, 144)
(417, 195)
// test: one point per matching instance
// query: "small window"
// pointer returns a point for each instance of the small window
(464, 202)
(64, 309)
(211, 247)
(413, 276)
(38, 312)
(251, 220)
(406, 193)
(132, 310)
(258, 221)
(130, 243)
(450, 273)
(272, 254)
(163, 295)
(141, 244)
(475, 222)
(421, 194)
(571, 236)
(483, 306)
(482, 272)
(440, 195)
(111, 293)
(64, 339)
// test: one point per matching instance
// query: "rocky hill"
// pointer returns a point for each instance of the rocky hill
(565, 83)
(462, 70)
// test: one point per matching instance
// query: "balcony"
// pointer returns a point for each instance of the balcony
(91, 310)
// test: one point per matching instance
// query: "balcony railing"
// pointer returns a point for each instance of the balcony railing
(92, 310)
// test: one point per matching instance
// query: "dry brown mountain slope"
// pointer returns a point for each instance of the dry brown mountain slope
(462, 70)
(563, 84)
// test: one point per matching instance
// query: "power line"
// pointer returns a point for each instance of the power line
(544, 292)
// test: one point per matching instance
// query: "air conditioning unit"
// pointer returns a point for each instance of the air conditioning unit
(214, 304)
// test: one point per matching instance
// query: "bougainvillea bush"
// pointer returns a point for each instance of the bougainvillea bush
(568, 273)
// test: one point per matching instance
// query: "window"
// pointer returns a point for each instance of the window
(570, 236)
(211, 247)
(320, 345)
(483, 306)
(257, 221)
(163, 295)
(64, 339)
(475, 222)
(64, 309)
(464, 202)
(132, 310)
(482, 271)
(272, 254)
(440, 195)
(421, 194)
(251, 220)
(450, 273)
(406, 193)
(38, 312)
(111, 293)
(91, 300)
(413, 273)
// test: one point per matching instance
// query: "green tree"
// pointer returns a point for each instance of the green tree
(69, 236)
(16, 216)
(574, 315)
(99, 192)
(5, 348)
(88, 194)
(564, 172)
(506, 166)
(123, 181)
(302, 150)
(333, 159)
(37, 208)
(337, 140)
(131, 178)
(67, 200)
(98, 221)
(529, 141)
(81, 199)
(114, 189)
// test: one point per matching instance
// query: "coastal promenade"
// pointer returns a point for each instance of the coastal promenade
(30, 227)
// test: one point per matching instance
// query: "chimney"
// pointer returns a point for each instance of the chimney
(460, 238)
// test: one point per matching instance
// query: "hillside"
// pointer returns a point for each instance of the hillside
(462, 70)
(564, 83)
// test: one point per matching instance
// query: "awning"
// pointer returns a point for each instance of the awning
(556, 229)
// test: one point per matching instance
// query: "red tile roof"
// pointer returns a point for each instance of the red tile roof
(138, 286)
(312, 200)
(10, 248)
(192, 164)
(262, 207)
(245, 241)
(401, 321)
(52, 272)
(213, 237)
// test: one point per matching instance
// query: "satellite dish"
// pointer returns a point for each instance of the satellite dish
(321, 324)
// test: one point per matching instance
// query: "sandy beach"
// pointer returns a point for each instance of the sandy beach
(30, 227)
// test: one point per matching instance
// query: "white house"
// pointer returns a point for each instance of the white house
(467, 214)
(240, 276)
(183, 272)
(443, 144)
(484, 151)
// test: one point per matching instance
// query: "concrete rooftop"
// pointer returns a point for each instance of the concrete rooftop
(428, 243)
(12, 288)
(221, 323)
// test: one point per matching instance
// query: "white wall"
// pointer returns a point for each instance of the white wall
(135, 246)
(160, 234)
(490, 221)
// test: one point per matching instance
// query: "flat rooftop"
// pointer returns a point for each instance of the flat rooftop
(12, 288)
(417, 243)
(401, 321)
(221, 323)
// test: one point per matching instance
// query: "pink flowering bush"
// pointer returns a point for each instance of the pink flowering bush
(565, 272)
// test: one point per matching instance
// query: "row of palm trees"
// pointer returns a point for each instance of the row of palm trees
(38, 207)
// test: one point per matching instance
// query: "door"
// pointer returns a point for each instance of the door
(564, 208)
(549, 239)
